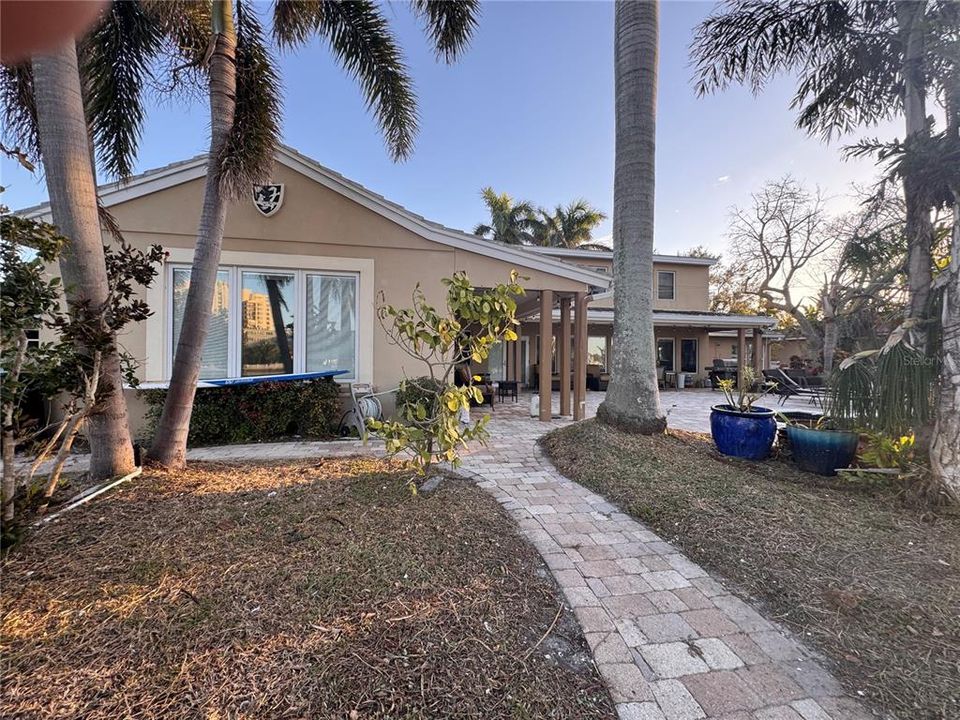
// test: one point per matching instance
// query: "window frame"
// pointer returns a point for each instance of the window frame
(235, 322)
(673, 284)
(696, 354)
(673, 351)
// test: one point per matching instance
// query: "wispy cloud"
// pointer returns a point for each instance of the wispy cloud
(723, 179)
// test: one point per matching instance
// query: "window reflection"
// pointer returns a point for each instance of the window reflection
(267, 301)
(213, 360)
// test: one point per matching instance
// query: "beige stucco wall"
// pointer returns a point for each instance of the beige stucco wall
(691, 284)
(314, 222)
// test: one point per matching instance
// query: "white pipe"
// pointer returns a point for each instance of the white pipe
(87, 496)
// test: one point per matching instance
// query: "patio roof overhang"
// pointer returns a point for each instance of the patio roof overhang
(681, 318)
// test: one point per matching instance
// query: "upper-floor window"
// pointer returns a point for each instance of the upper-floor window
(666, 282)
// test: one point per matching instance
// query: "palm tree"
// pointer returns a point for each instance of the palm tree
(86, 98)
(244, 109)
(510, 222)
(633, 399)
(568, 227)
(61, 127)
(857, 63)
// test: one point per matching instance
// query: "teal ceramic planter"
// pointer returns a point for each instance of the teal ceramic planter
(822, 451)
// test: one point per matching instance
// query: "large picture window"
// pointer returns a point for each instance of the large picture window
(268, 303)
(274, 322)
(597, 351)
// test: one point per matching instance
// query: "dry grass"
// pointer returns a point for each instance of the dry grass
(869, 578)
(294, 591)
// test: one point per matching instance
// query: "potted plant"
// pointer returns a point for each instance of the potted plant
(885, 392)
(823, 446)
(740, 428)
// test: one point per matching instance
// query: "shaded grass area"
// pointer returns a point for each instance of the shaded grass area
(870, 579)
(303, 590)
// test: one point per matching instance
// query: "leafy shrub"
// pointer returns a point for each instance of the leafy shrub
(256, 413)
(423, 390)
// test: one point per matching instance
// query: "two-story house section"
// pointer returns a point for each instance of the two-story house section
(689, 336)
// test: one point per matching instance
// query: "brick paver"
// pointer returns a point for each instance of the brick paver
(671, 642)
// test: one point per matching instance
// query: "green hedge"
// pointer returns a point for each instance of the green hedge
(256, 413)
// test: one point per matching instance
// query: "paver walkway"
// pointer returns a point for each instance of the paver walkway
(670, 641)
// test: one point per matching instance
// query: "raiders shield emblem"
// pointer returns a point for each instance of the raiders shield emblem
(268, 198)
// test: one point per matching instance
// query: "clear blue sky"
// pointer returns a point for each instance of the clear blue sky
(529, 110)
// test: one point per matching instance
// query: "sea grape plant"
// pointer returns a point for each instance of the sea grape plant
(428, 424)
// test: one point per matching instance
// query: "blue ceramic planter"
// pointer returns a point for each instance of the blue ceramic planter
(822, 451)
(747, 435)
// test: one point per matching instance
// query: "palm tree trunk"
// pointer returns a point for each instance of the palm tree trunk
(945, 447)
(633, 400)
(170, 444)
(73, 203)
(919, 228)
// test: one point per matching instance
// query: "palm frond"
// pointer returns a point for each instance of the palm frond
(748, 42)
(185, 25)
(845, 53)
(115, 60)
(20, 128)
(248, 154)
(360, 38)
(450, 24)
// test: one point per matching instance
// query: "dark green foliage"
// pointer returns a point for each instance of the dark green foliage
(414, 391)
(889, 391)
(450, 25)
(256, 413)
(115, 63)
(359, 36)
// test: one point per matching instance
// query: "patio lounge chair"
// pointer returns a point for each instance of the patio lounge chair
(787, 387)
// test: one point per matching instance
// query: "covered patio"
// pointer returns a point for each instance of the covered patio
(685, 409)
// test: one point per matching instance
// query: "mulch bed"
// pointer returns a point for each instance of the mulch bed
(302, 590)
(865, 574)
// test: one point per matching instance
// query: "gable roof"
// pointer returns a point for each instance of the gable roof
(184, 171)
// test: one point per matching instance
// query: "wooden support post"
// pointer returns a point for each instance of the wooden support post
(741, 355)
(517, 358)
(564, 348)
(757, 353)
(544, 357)
(580, 357)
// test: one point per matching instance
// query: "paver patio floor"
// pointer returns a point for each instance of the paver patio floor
(671, 642)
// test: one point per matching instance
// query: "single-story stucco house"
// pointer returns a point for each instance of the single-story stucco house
(322, 250)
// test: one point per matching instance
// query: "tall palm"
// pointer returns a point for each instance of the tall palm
(62, 131)
(857, 63)
(569, 226)
(58, 108)
(511, 222)
(244, 108)
(633, 399)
